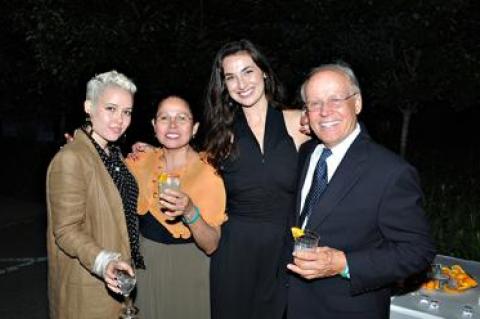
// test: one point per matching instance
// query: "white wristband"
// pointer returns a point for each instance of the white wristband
(102, 260)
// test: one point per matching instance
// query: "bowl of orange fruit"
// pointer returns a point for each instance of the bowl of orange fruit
(451, 279)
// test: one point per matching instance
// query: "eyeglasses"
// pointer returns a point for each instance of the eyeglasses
(333, 103)
(180, 118)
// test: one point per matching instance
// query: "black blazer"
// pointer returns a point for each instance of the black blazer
(372, 211)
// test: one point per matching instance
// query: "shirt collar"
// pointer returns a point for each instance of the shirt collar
(341, 148)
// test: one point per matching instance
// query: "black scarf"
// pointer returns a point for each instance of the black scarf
(128, 189)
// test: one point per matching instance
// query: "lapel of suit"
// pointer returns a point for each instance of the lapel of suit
(346, 176)
(112, 195)
(303, 162)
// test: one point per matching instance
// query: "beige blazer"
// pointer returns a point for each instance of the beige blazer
(85, 215)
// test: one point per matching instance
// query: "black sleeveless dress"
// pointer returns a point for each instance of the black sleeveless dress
(246, 268)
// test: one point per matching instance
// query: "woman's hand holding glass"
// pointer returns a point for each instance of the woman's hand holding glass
(176, 203)
(120, 278)
(111, 271)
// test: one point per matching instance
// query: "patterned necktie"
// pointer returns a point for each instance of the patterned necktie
(318, 187)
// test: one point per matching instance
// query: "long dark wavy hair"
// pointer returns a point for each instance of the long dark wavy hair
(220, 108)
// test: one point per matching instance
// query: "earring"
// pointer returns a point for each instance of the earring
(88, 122)
(264, 76)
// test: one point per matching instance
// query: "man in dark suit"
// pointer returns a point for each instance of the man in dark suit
(367, 210)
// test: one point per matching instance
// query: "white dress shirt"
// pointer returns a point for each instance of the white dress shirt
(338, 152)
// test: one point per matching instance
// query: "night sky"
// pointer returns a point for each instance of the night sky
(412, 55)
(416, 57)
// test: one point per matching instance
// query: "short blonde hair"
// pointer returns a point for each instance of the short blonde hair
(101, 81)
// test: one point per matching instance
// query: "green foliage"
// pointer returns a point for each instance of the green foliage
(394, 45)
(452, 202)
(409, 55)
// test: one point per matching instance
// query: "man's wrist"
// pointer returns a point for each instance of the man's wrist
(345, 272)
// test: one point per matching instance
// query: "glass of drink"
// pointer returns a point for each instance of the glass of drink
(168, 181)
(126, 283)
(307, 241)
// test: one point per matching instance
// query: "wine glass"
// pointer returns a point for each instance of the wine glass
(126, 284)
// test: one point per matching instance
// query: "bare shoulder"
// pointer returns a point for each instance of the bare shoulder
(292, 122)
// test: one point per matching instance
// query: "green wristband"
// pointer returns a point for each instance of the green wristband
(194, 218)
(346, 272)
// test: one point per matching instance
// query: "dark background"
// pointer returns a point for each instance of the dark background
(417, 63)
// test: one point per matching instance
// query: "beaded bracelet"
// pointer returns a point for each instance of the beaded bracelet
(194, 218)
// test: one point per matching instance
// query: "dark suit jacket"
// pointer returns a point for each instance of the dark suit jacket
(372, 211)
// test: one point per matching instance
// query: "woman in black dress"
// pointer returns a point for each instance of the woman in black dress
(253, 143)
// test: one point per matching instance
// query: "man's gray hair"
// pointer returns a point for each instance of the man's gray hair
(340, 67)
(100, 82)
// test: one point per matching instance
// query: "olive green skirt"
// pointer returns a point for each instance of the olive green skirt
(175, 284)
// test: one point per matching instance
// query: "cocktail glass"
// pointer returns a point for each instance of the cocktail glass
(308, 241)
(168, 181)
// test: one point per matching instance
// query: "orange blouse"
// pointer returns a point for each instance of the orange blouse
(198, 179)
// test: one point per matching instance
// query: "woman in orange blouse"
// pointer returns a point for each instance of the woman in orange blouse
(179, 228)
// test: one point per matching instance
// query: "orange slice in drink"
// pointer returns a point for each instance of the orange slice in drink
(297, 232)
(162, 178)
